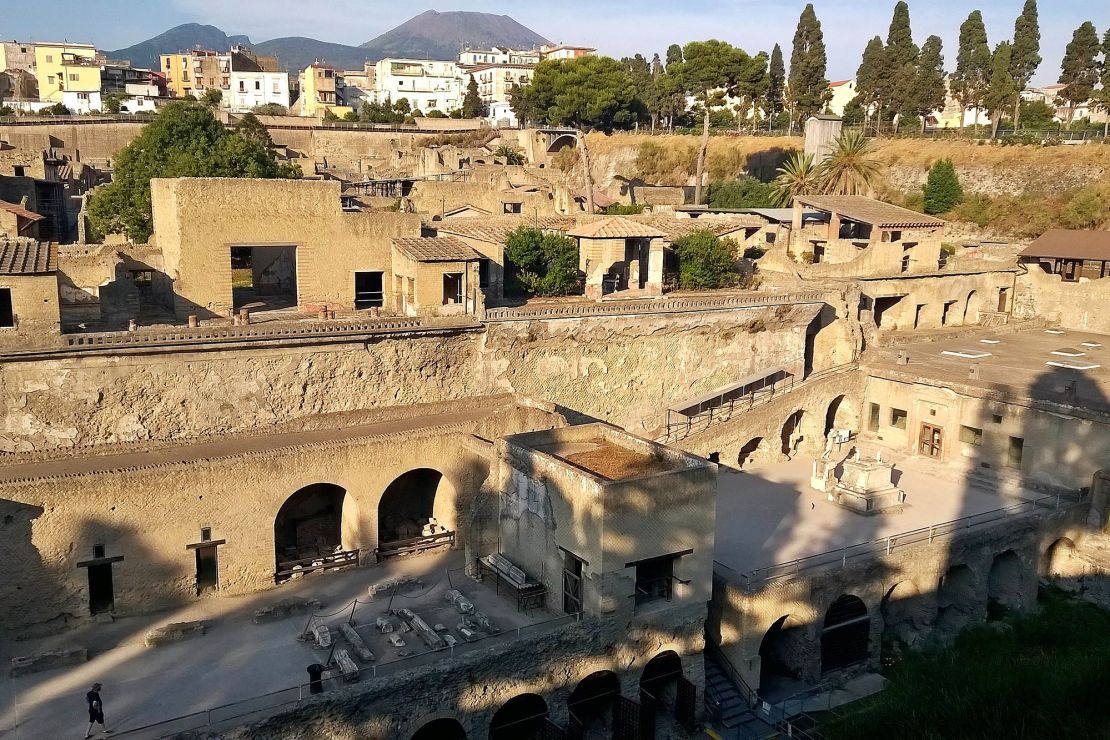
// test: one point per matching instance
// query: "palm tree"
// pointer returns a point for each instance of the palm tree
(852, 168)
(510, 155)
(797, 176)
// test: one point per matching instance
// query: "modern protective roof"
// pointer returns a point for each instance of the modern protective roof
(676, 228)
(1070, 244)
(870, 211)
(616, 227)
(436, 249)
(27, 257)
(496, 230)
(19, 211)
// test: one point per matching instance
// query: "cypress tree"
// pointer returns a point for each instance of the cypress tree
(809, 88)
(1102, 97)
(674, 55)
(929, 88)
(472, 105)
(776, 85)
(901, 63)
(1003, 89)
(942, 190)
(1079, 69)
(869, 78)
(1025, 52)
(973, 65)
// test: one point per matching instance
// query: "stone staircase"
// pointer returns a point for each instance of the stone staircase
(730, 707)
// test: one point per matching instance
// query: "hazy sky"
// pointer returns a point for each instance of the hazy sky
(616, 28)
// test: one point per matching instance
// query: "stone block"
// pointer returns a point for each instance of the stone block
(385, 588)
(427, 634)
(285, 608)
(395, 640)
(321, 635)
(357, 643)
(346, 665)
(175, 632)
(384, 625)
(23, 665)
(462, 604)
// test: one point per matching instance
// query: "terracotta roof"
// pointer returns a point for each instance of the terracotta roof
(615, 227)
(436, 249)
(27, 257)
(496, 230)
(467, 207)
(676, 228)
(1070, 244)
(19, 211)
(870, 211)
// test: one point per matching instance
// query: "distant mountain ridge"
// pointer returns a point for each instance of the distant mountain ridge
(430, 35)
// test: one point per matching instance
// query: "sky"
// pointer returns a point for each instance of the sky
(616, 29)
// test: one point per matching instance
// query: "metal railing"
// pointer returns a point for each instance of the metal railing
(293, 695)
(840, 557)
(662, 305)
(747, 693)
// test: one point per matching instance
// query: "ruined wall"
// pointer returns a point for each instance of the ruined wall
(93, 141)
(433, 196)
(942, 300)
(34, 306)
(1079, 305)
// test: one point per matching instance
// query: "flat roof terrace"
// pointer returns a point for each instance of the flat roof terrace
(1065, 367)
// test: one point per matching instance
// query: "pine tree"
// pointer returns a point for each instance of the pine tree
(1003, 91)
(674, 55)
(973, 66)
(942, 190)
(929, 88)
(1025, 53)
(1079, 69)
(869, 78)
(809, 88)
(901, 64)
(776, 85)
(472, 105)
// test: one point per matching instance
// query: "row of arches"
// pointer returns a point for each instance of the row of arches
(592, 707)
(845, 634)
(840, 413)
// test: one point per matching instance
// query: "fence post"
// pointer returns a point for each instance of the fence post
(844, 557)
(209, 721)
(1057, 502)
(888, 545)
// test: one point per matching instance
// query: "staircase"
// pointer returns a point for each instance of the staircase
(729, 707)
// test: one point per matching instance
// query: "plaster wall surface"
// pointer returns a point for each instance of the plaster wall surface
(1076, 305)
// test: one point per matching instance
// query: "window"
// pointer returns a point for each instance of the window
(654, 578)
(50, 79)
(7, 316)
(142, 277)
(452, 288)
(258, 84)
(49, 58)
(1015, 451)
(19, 170)
(898, 418)
(82, 96)
(512, 208)
(242, 86)
(996, 418)
(971, 435)
(873, 418)
(369, 291)
(72, 77)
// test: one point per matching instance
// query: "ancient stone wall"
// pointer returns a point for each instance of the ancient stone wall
(1078, 305)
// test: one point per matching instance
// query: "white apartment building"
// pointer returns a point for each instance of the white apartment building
(479, 57)
(495, 84)
(427, 85)
(249, 89)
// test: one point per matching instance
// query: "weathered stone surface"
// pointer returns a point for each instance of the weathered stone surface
(346, 665)
(285, 608)
(25, 664)
(357, 644)
(175, 632)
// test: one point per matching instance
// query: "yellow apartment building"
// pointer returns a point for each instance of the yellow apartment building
(50, 60)
(179, 79)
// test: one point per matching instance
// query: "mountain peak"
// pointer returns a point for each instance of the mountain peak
(442, 35)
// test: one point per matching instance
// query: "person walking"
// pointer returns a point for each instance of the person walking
(96, 710)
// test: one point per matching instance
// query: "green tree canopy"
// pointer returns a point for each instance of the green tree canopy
(1079, 69)
(1002, 92)
(541, 263)
(746, 192)
(1025, 55)
(900, 75)
(185, 140)
(251, 129)
(212, 97)
(973, 64)
(776, 83)
(870, 86)
(809, 88)
(472, 105)
(705, 261)
(930, 90)
(943, 191)
(1038, 115)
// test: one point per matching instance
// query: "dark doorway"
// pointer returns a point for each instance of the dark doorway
(1003, 300)
(831, 414)
(407, 505)
(7, 314)
(659, 680)
(790, 435)
(918, 315)
(441, 729)
(572, 583)
(945, 315)
(780, 657)
(520, 718)
(593, 698)
(264, 278)
(208, 569)
(309, 524)
(747, 452)
(369, 290)
(882, 305)
(101, 594)
(846, 635)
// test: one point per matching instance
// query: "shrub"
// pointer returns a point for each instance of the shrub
(6, 111)
(625, 209)
(434, 113)
(55, 110)
(754, 253)
(1089, 208)
(541, 263)
(942, 189)
(706, 261)
(747, 192)
(271, 109)
(808, 257)
(975, 208)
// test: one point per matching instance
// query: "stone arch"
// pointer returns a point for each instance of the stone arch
(840, 414)
(1061, 565)
(958, 600)
(790, 435)
(781, 657)
(659, 679)
(443, 728)
(1005, 581)
(561, 142)
(903, 610)
(521, 718)
(749, 451)
(593, 701)
(413, 498)
(971, 308)
(317, 520)
(845, 634)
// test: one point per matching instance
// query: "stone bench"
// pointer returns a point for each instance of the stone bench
(175, 632)
(285, 608)
(65, 657)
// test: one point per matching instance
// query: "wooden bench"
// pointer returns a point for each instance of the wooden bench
(529, 594)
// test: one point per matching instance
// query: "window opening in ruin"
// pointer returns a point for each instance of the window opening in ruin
(523, 717)
(441, 729)
(654, 579)
(846, 635)
(747, 452)
(483, 273)
(996, 418)
(898, 418)
(264, 278)
(405, 510)
(98, 551)
(971, 435)
(208, 569)
(7, 315)
(452, 288)
(572, 583)
(308, 528)
(1014, 452)
(513, 207)
(932, 440)
(369, 290)
(19, 170)
(873, 417)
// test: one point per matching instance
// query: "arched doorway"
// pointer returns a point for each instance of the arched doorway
(1004, 584)
(659, 680)
(309, 527)
(971, 309)
(444, 728)
(791, 434)
(846, 634)
(521, 718)
(592, 701)
(840, 415)
(958, 600)
(780, 658)
(407, 505)
(748, 451)
(1061, 565)
(904, 617)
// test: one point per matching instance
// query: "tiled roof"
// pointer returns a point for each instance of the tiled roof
(27, 257)
(436, 249)
(19, 211)
(1070, 244)
(496, 230)
(870, 211)
(676, 228)
(615, 227)
(601, 200)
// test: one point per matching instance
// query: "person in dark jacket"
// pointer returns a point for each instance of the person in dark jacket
(96, 710)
